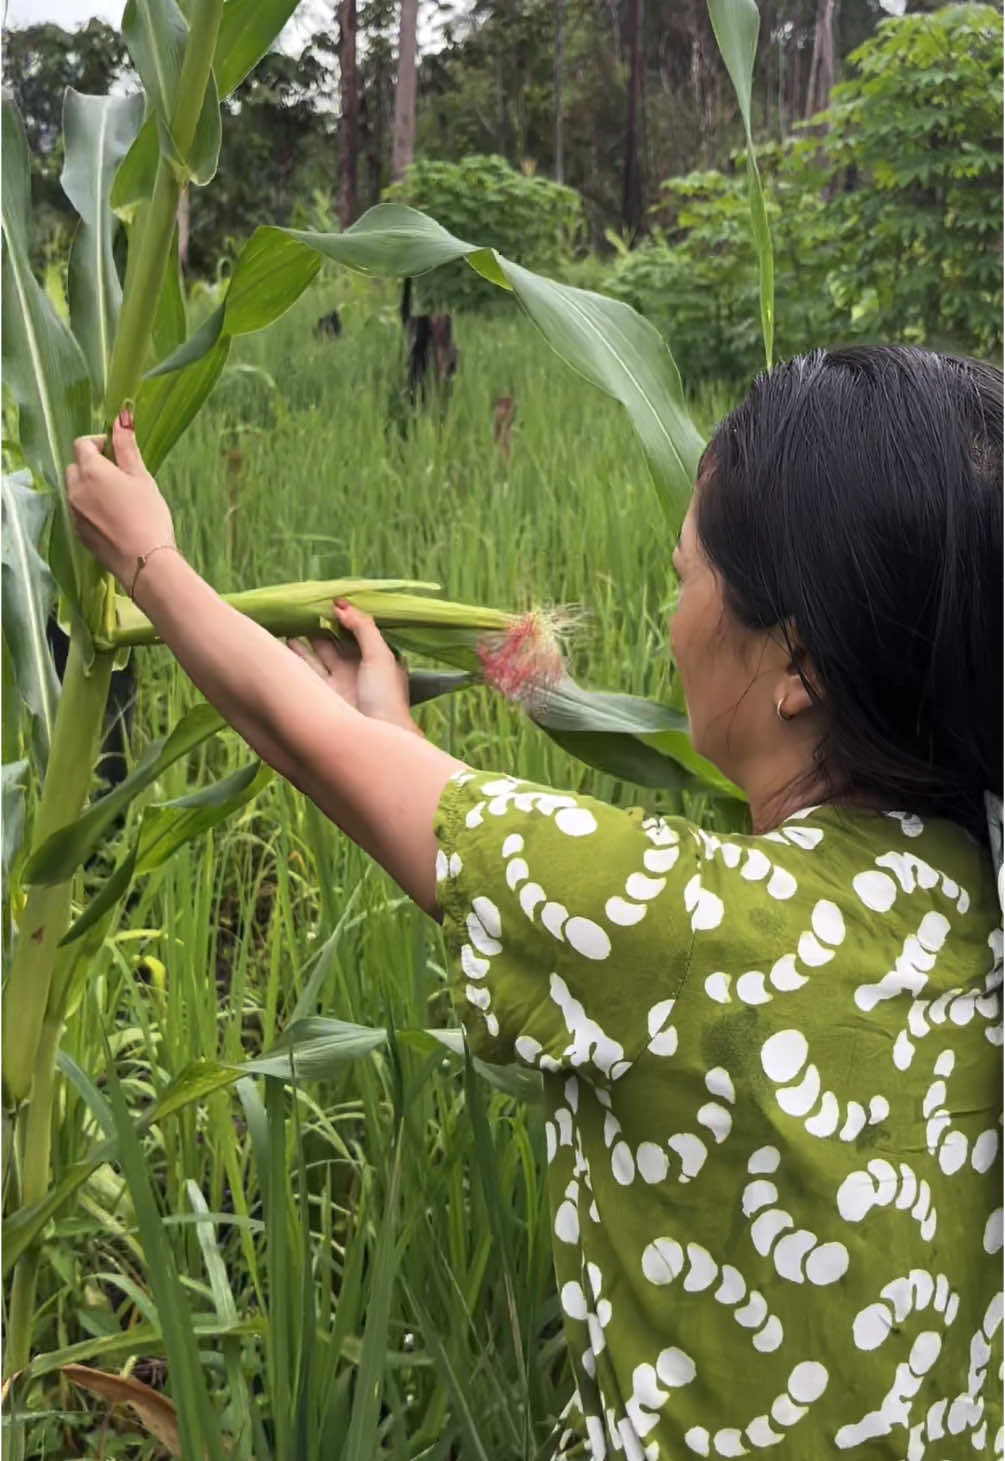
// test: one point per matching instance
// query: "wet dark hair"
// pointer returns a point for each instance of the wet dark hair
(854, 500)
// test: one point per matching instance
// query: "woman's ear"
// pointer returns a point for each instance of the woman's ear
(798, 687)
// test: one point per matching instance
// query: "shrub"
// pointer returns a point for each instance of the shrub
(529, 219)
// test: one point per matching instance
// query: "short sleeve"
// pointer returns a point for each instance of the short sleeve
(565, 920)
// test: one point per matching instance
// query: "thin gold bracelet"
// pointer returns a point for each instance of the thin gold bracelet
(142, 559)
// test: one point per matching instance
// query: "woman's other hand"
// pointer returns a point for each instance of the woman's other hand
(117, 508)
(362, 669)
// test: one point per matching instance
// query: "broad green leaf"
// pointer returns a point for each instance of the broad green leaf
(62, 853)
(43, 366)
(204, 154)
(97, 133)
(156, 34)
(165, 406)
(736, 24)
(165, 827)
(270, 274)
(170, 322)
(247, 31)
(28, 592)
(134, 180)
(14, 783)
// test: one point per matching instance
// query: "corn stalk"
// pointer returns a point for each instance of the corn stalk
(32, 1019)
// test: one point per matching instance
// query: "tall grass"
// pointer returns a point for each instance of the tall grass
(379, 1224)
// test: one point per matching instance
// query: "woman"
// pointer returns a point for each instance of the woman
(771, 1062)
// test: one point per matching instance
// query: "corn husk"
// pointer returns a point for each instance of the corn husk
(406, 611)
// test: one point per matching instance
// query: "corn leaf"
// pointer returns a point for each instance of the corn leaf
(43, 366)
(28, 591)
(633, 739)
(155, 33)
(247, 30)
(736, 24)
(134, 181)
(164, 407)
(97, 133)
(70, 846)
(607, 342)
(164, 828)
(14, 785)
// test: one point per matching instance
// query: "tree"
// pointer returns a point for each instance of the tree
(632, 204)
(348, 136)
(403, 143)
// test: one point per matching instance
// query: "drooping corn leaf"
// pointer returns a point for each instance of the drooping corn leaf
(165, 827)
(70, 846)
(43, 366)
(736, 24)
(633, 739)
(97, 133)
(28, 593)
(606, 341)
(156, 33)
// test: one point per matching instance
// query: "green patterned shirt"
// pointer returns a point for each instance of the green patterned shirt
(772, 1074)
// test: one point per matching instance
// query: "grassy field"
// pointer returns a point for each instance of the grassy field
(376, 1279)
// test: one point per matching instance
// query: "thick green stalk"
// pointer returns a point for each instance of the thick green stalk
(46, 914)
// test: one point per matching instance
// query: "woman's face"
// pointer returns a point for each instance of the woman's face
(727, 672)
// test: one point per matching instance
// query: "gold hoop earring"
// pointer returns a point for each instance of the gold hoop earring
(779, 711)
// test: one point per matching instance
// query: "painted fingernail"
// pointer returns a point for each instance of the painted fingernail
(341, 603)
(126, 418)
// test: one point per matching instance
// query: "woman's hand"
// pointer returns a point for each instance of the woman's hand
(362, 670)
(117, 508)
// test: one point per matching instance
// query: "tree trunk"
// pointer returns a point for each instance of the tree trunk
(821, 79)
(348, 132)
(631, 193)
(559, 79)
(403, 146)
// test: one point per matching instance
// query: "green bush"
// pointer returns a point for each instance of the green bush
(696, 276)
(529, 219)
(910, 241)
(886, 215)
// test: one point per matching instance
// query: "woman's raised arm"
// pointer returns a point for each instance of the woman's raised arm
(378, 782)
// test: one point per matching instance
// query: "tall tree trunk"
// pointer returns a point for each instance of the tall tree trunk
(559, 80)
(631, 193)
(821, 80)
(348, 132)
(403, 145)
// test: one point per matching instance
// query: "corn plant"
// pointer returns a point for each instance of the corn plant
(127, 160)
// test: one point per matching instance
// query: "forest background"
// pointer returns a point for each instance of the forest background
(598, 140)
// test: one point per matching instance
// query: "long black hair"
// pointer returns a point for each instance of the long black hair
(854, 501)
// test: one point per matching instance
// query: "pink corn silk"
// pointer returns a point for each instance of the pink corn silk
(525, 661)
